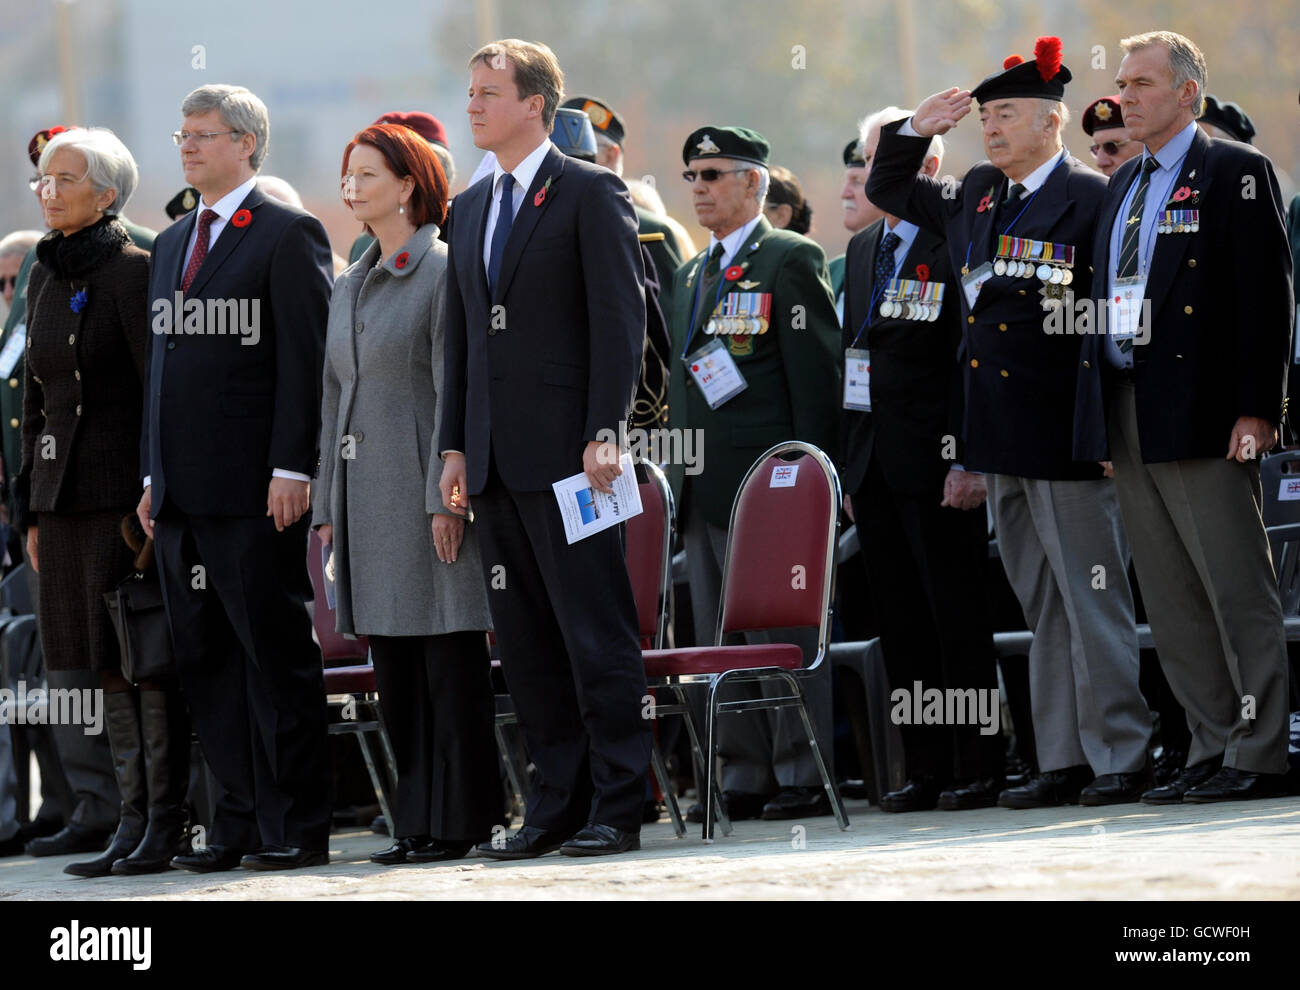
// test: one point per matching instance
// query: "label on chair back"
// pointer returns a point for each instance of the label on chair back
(783, 476)
(1289, 489)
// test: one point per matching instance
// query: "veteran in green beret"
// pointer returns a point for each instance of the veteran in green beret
(758, 299)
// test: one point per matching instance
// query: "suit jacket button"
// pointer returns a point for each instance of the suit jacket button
(72, 338)
(1022, 292)
(359, 436)
(1002, 327)
(1005, 373)
(1087, 364)
(492, 332)
(13, 424)
(171, 345)
(78, 410)
(974, 363)
(970, 319)
(13, 382)
(1179, 356)
(360, 326)
(1187, 310)
(77, 374)
(1191, 262)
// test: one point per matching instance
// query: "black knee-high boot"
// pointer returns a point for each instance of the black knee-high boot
(165, 726)
(124, 738)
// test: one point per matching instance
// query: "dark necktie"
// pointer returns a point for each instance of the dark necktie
(884, 269)
(1132, 239)
(200, 248)
(501, 232)
(709, 282)
(1010, 207)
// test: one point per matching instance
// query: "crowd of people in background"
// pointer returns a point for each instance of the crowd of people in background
(414, 403)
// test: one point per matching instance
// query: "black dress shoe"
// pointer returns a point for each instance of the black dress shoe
(39, 828)
(70, 839)
(740, 807)
(797, 802)
(399, 851)
(1172, 791)
(1047, 790)
(1231, 784)
(601, 840)
(210, 859)
(982, 792)
(438, 851)
(528, 843)
(1116, 788)
(285, 858)
(1168, 765)
(918, 794)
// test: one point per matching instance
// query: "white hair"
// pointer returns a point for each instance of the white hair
(241, 111)
(1052, 106)
(645, 195)
(764, 182)
(890, 115)
(108, 163)
(278, 188)
(19, 242)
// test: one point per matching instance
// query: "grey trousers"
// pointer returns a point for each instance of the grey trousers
(1083, 664)
(1211, 596)
(764, 751)
(87, 761)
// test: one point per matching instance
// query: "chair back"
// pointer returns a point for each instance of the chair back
(335, 648)
(1279, 478)
(781, 544)
(649, 540)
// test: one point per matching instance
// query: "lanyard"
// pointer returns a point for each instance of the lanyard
(690, 327)
(1006, 230)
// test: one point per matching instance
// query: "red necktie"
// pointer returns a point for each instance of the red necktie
(200, 249)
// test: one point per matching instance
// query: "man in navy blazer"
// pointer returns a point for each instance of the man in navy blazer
(240, 291)
(1018, 226)
(545, 330)
(1189, 402)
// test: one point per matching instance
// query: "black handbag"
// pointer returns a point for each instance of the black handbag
(139, 618)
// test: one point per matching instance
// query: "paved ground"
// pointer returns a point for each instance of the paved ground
(1216, 852)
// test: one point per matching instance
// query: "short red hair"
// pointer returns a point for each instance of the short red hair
(408, 154)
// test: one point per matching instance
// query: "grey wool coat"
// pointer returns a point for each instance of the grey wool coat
(379, 471)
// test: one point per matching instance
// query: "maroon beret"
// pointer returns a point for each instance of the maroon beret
(426, 125)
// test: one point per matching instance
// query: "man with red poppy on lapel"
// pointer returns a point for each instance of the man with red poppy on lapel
(761, 298)
(920, 514)
(227, 455)
(1185, 393)
(1020, 231)
(545, 331)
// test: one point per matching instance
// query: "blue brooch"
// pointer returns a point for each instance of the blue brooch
(78, 300)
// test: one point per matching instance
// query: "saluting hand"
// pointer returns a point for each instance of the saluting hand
(938, 114)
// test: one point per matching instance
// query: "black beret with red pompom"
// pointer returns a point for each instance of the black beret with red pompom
(1043, 77)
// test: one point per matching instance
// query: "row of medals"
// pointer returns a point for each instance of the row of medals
(1179, 228)
(892, 309)
(1026, 269)
(736, 325)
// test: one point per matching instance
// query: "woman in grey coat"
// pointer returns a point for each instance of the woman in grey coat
(406, 571)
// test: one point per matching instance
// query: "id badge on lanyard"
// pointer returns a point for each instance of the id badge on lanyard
(715, 372)
(857, 379)
(973, 281)
(1125, 308)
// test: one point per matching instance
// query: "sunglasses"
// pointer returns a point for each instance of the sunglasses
(709, 174)
(7, 282)
(1110, 147)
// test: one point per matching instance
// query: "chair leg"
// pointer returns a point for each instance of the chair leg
(380, 788)
(665, 785)
(508, 757)
(385, 745)
(698, 755)
(832, 792)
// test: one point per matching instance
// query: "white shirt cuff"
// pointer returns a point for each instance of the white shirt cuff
(148, 480)
(907, 130)
(292, 475)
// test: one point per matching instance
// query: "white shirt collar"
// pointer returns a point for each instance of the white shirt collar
(1175, 150)
(524, 172)
(733, 241)
(226, 206)
(1035, 179)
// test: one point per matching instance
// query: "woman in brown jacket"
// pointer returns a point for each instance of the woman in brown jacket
(87, 340)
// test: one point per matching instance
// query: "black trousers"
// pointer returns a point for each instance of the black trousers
(236, 593)
(926, 568)
(565, 620)
(438, 706)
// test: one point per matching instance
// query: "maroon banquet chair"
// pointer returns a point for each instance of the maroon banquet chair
(779, 573)
(350, 687)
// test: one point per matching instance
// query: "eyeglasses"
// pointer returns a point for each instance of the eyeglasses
(8, 282)
(1110, 147)
(200, 137)
(709, 174)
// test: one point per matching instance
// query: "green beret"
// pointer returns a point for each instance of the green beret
(739, 143)
(853, 154)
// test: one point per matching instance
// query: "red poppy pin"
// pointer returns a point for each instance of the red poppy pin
(923, 273)
(733, 273)
(401, 260)
(1181, 194)
(985, 203)
(242, 218)
(540, 198)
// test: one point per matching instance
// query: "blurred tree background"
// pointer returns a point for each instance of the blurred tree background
(801, 73)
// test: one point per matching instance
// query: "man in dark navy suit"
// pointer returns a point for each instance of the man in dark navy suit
(545, 331)
(1190, 396)
(920, 514)
(228, 452)
(1019, 230)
